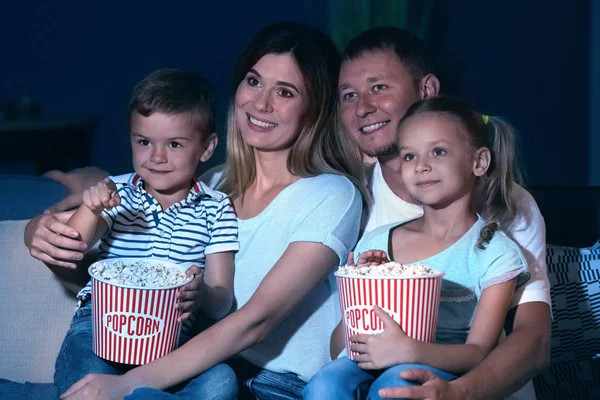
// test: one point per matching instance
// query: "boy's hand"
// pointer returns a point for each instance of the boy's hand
(76, 181)
(191, 294)
(101, 196)
(388, 348)
(372, 257)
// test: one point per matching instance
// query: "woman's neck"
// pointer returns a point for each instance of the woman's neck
(271, 171)
(272, 176)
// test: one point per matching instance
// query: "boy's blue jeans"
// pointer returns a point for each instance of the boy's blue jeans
(77, 359)
(344, 379)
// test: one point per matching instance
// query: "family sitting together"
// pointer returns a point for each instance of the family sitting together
(266, 230)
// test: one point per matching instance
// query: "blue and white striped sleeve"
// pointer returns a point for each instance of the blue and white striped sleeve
(223, 229)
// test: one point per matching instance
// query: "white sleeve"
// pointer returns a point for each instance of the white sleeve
(528, 230)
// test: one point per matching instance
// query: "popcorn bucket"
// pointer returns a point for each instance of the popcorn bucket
(134, 325)
(412, 301)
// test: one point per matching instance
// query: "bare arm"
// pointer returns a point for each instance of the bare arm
(522, 355)
(76, 182)
(483, 335)
(301, 268)
(212, 288)
(516, 360)
(393, 346)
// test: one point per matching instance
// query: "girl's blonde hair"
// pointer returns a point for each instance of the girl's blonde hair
(495, 189)
(321, 147)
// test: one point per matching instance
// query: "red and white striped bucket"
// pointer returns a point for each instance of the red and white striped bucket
(134, 325)
(412, 301)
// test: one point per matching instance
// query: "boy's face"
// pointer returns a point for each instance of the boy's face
(166, 151)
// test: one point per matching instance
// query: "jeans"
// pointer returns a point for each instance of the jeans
(218, 383)
(344, 379)
(262, 384)
(77, 359)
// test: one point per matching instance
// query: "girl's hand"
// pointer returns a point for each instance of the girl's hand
(102, 196)
(388, 348)
(373, 257)
(101, 387)
(191, 294)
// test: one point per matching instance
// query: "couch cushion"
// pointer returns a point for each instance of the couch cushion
(21, 196)
(574, 276)
(35, 310)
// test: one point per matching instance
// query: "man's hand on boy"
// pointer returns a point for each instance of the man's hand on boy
(102, 196)
(191, 294)
(383, 350)
(52, 241)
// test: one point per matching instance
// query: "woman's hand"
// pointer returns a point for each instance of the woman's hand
(99, 387)
(388, 348)
(191, 295)
(52, 241)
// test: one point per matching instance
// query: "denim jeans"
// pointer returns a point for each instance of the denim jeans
(77, 359)
(259, 383)
(218, 383)
(344, 379)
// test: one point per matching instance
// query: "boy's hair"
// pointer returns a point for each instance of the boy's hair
(495, 189)
(176, 91)
(411, 50)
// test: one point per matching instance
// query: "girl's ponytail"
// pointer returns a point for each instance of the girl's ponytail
(497, 186)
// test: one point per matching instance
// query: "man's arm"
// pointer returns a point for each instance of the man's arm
(521, 356)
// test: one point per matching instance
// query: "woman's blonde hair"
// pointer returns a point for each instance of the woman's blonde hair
(495, 189)
(321, 146)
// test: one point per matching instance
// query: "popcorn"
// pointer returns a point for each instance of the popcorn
(392, 269)
(138, 273)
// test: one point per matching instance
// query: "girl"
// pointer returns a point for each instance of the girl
(295, 185)
(451, 155)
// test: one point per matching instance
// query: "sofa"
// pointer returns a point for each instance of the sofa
(36, 310)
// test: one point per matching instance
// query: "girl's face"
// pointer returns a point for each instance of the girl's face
(270, 103)
(439, 165)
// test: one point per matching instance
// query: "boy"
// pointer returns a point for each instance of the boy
(160, 211)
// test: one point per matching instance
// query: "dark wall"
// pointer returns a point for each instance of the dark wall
(76, 58)
(524, 60)
(528, 62)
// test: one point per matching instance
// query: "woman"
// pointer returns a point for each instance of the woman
(293, 179)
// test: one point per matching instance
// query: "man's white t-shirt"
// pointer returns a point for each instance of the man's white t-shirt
(527, 229)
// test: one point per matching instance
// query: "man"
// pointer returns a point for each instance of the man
(384, 71)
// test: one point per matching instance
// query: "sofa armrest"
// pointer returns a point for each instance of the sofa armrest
(35, 310)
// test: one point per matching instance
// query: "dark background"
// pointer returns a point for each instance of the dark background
(531, 62)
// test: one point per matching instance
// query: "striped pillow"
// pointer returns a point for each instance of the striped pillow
(574, 276)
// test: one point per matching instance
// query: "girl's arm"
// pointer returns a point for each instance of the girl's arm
(295, 275)
(393, 346)
(483, 335)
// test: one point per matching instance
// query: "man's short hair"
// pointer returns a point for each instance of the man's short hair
(174, 92)
(411, 50)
